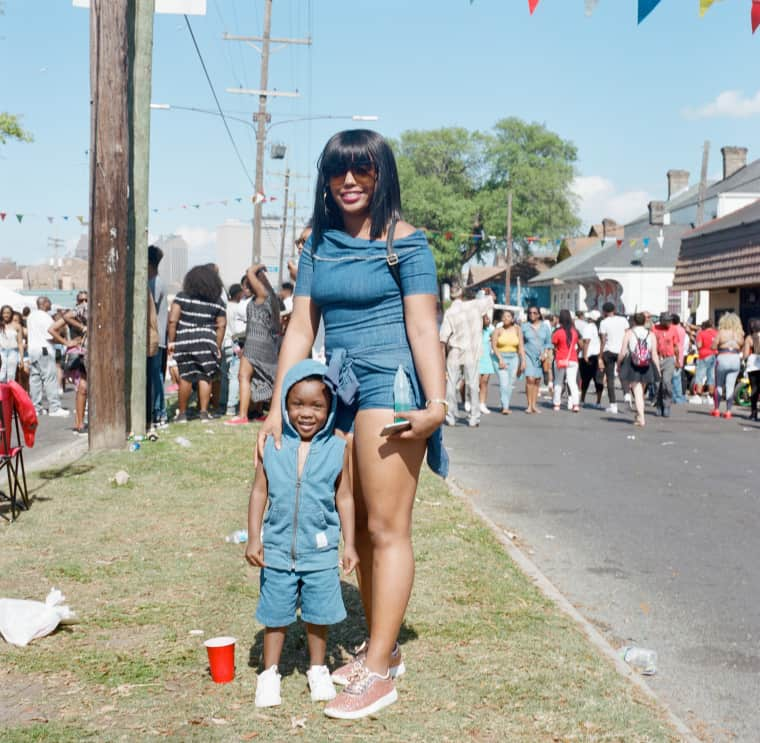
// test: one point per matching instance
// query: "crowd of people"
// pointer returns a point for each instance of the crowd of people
(43, 350)
(561, 355)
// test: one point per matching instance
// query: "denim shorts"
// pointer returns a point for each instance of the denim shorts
(317, 592)
(705, 373)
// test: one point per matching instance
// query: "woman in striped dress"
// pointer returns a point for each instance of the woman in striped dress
(196, 331)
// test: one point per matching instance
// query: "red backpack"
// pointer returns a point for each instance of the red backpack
(641, 354)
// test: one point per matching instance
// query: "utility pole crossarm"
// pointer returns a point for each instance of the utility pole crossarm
(235, 37)
(265, 93)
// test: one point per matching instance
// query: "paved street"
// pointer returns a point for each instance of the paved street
(652, 534)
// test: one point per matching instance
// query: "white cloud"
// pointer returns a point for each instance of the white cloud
(201, 243)
(599, 198)
(730, 104)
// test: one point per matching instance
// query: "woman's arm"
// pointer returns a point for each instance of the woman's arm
(296, 346)
(260, 289)
(747, 348)
(171, 326)
(494, 338)
(53, 332)
(221, 325)
(655, 354)
(520, 352)
(716, 341)
(422, 331)
(71, 319)
(20, 340)
(623, 348)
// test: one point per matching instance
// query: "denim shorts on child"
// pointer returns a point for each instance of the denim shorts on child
(321, 601)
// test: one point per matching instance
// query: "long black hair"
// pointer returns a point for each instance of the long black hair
(356, 147)
(566, 323)
(203, 282)
(2, 312)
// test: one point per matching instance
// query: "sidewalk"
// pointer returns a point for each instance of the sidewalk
(55, 439)
(150, 576)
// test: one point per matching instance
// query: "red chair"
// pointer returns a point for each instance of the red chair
(12, 455)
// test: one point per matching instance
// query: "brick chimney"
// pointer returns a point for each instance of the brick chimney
(657, 212)
(678, 180)
(734, 158)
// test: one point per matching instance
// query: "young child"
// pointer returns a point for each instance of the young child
(306, 483)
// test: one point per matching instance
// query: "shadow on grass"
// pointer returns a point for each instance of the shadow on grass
(341, 639)
(69, 470)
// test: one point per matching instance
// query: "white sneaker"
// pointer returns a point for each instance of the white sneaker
(268, 688)
(627, 397)
(320, 684)
(60, 413)
(484, 409)
(467, 406)
(695, 400)
(613, 408)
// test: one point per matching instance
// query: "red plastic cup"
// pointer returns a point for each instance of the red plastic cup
(221, 658)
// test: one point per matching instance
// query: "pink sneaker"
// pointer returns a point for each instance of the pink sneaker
(344, 674)
(237, 421)
(367, 694)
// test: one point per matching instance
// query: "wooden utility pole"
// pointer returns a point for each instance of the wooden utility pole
(703, 185)
(137, 268)
(508, 251)
(110, 153)
(261, 117)
(284, 227)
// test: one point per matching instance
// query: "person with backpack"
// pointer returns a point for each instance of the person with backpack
(638, 363)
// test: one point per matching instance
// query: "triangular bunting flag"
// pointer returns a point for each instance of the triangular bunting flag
(3, 215)
(590, 6)
(619, 243)
(646, 242)
(50, 219)
(633, 242)
(19, 217)
(755, 15)
(197, 206)
(532, 5)
(238, 199)
(704, 6)
(661, 240)
(224, 202)
(65, 218)
(646, 7)
(258, 198)
(81, 219)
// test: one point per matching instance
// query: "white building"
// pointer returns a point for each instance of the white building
(234, 249)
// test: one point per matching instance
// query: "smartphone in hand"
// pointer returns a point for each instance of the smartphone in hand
(392, 428)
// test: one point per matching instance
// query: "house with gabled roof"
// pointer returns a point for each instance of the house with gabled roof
(636, 272)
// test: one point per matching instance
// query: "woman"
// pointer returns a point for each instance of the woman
(728, 344)
(74, 360)
(751, 353)
(377, 318)
(11, 344)
(507, 345)
(197, 320)
(638, 362)
(565, 341)
(487, 363)
(258, 362)
(537, 344)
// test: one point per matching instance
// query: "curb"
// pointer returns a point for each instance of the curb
(551, 592)
(67, 454)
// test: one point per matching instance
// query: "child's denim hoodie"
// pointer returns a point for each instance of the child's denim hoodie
(301, 526)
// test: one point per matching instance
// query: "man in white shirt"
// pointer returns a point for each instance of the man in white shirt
(233, 343)
(43, 376)
(611, 330)
(461, 335)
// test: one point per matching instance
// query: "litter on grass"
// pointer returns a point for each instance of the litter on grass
(120, 478)
(182, 441)
(22, 621)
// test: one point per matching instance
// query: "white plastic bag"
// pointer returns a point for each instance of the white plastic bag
(22, 621)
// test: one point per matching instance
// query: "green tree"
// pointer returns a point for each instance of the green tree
(455, 183)
(564, 252)
(10, 128)
(539, 166)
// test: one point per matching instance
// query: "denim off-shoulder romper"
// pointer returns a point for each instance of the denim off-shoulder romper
(348, 278)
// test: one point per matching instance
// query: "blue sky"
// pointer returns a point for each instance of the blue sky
(636, 100)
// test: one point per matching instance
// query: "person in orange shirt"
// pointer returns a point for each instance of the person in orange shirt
(669, 352)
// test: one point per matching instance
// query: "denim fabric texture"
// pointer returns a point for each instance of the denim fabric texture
(316, 591)
(705, 373)
(301, 525)
(349, 280)
(10, 359)
(507, 378)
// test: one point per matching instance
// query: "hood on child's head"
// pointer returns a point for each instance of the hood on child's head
(302, 370)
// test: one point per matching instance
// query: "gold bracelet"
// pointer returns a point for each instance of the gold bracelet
(440, 401)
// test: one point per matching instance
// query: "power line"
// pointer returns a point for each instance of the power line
(218, 105)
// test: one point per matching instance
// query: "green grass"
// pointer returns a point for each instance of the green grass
(489, 658)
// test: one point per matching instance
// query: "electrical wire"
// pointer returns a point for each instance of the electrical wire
(218, 105)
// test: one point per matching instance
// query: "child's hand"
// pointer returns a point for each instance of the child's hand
(254, 553)
(350, 559)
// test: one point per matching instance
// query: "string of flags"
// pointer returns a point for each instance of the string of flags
(259, 198)
(645, 7)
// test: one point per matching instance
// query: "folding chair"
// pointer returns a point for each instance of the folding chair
(12, 455)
